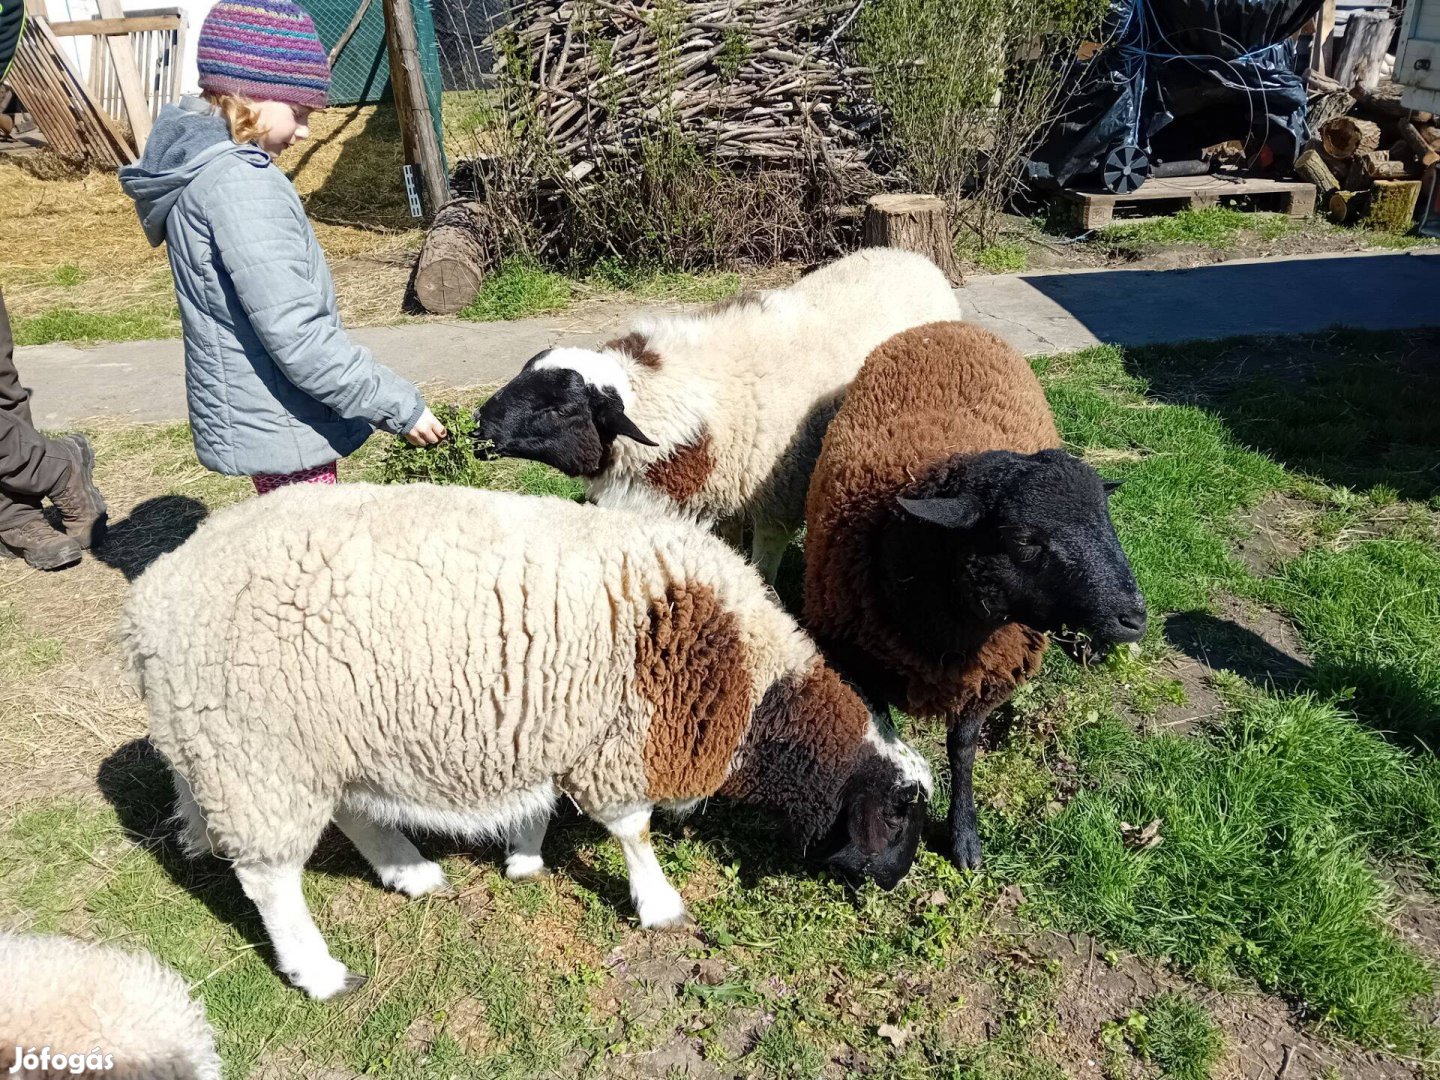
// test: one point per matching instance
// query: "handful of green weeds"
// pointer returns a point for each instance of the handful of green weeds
(451, 461)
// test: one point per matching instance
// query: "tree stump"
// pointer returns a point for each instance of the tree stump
(1311, 166)
(1367, 40)
(453, 261)
(1392, 205)
(1346, 136)
(916, 223)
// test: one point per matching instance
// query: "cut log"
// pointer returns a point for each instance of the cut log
(1367, 40)
(1311, 166)
(1346, 136)
(918, 223)
(1347, 207)
(1418, 145)
(1383, 100)
(1378, 165)
(453, 261)
(1392, 205)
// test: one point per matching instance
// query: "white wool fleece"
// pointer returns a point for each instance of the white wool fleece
(75, 998)
(762, 379)
(417, 649)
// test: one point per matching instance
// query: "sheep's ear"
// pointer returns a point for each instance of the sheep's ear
(952, 513)
(1112, 486)
(621, 424)
(610, 418)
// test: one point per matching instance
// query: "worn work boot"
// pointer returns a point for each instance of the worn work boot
(40, 545)
(81, 506)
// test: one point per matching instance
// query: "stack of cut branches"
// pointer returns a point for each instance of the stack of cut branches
(747, 81)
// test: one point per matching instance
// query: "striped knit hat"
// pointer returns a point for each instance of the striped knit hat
(266, 50)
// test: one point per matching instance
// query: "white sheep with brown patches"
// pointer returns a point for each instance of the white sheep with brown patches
(720, 412)
(121, 1015)
(454, 659)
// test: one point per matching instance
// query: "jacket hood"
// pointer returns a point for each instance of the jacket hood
(185, 139)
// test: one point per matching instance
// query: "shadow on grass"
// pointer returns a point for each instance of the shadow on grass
(154, 528)
(1350, 408)
(1382, 697)
(1223, 645)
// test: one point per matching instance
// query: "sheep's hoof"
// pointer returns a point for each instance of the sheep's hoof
(420, 879)
(525, 868)
(679, 924)
(332, 983)
(965, 852)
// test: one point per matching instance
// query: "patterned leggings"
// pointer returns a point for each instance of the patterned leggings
(321, 474)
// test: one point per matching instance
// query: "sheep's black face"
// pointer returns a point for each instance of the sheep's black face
(1005, 537)
(877, 832)
(553, 415)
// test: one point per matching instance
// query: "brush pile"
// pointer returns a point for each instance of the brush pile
(754, 82)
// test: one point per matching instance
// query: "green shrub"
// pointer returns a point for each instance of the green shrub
(1180, 1037)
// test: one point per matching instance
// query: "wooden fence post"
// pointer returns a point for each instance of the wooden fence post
(417, 126)
(132, 90)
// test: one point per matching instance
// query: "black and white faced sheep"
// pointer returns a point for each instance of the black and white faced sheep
(719, 413)
(947, 535)
(68, 1007)
(454, 660)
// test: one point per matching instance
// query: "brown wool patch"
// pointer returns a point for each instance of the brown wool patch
(636, 346)
(691, 665)
(684, 471)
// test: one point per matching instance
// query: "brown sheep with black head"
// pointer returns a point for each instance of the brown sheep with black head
(948, 534)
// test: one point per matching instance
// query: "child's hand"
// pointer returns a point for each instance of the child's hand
(427, 431)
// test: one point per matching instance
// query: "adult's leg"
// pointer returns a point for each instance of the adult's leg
(33, 467)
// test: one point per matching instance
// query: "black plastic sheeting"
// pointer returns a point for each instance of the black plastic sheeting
(1176, 76)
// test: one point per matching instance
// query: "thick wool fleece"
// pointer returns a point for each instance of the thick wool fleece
(446, 654)
(75, 997)
(923, 398)
(738, 396)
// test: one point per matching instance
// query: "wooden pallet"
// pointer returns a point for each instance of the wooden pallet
(1094, 209)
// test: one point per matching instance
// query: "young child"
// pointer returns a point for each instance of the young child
(276, 390)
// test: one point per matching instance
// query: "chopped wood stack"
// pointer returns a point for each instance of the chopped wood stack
(1368, 163)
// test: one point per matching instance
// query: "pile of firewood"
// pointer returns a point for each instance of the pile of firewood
(1368, 163)
(757, 82)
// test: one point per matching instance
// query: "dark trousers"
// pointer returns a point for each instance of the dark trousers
(30, 465)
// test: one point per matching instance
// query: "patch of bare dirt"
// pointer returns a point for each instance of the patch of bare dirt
(1262, 1034)
(1254, 642)
(1270, 532)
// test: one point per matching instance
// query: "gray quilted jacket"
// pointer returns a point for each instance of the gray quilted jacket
(274, 385)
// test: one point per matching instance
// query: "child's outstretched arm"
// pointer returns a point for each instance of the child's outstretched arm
(260, 235)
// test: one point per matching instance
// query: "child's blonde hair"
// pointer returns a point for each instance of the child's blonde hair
(241, 114)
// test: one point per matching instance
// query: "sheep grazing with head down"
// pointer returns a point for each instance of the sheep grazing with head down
(454, 659)
(719, 412)
(947, 534)
(68, 1007)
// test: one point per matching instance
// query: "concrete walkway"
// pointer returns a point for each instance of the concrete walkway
(1038, 313)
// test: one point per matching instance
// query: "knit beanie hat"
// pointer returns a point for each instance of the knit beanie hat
(266, 50)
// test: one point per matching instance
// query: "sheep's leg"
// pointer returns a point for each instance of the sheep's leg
(732, 531)
(395, 859)
(300, 951)
(524, 860)
(963, 736)
(767, 549)
(657, 903)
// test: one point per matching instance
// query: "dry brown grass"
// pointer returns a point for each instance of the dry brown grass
(348, 175)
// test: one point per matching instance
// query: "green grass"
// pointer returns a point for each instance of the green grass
(998, 258)
(519, 290)
(1179, 1036)
(1212, 226)
(654, 283)
(88, 327)
(1282, 818)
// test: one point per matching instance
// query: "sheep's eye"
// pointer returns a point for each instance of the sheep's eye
(1026, 546)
